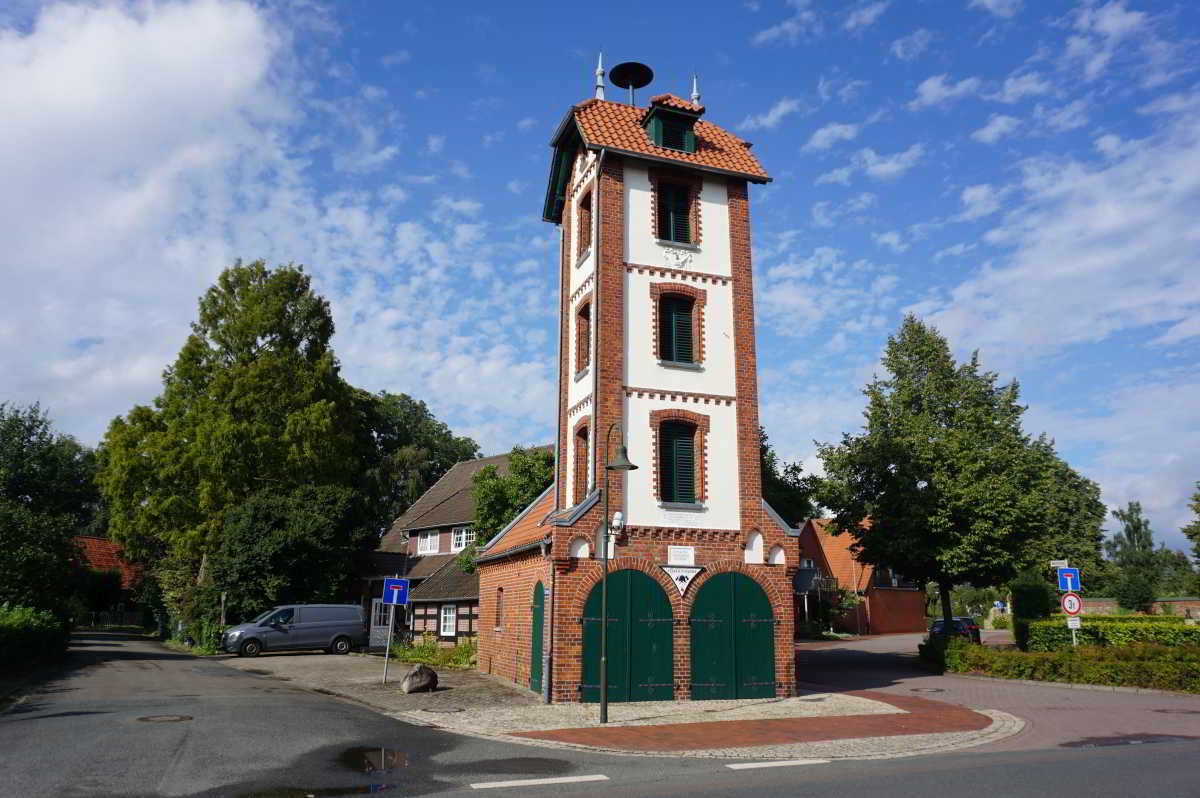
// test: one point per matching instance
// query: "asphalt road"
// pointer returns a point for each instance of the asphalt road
(127, 717)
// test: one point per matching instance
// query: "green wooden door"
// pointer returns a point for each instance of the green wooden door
(535, 638)
(640, 640)
(733, 640)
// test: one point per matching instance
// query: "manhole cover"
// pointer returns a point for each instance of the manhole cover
(164, 718)
(926, 690)
(444, 709)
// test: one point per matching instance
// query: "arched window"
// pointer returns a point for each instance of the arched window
(776, 556)
(677, 462)
(676, 342)
(579, 548)
(581, 464)
(583, 337)
(754, 547)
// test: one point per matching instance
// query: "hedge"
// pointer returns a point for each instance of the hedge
(28, 635)
(1178, 619)
(1054, 635)
(1143, 665)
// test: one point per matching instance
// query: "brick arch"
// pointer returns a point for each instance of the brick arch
(725, 566)
(648, 567)
(699, 298)
(701, 423)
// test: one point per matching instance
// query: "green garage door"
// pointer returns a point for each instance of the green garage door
(733, 640)
(535, 638)
(640, 650)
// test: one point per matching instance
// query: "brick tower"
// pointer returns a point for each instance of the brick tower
(656, 346)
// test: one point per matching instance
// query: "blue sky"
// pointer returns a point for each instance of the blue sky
(1025, 175)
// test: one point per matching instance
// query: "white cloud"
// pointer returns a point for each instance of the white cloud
(891, 239)
(527, 123)
(979, 201)
(906, 48)
(1100, 33)
(826, 213)
(937, 90)
(865, 16)
(845, 89)
(953, 251)
(396, 58)
(840, 175)
(460, 170)
(1018, 87)
(827, 136)
(769, 120)
(998, 126)
(516, 186)
(1069, 117)
(435, 144)
(889, 167)
(801, 25)
(1001, 8)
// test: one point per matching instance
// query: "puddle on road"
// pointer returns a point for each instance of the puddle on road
(1177, 711)
(373, 760)
(322, 792)
(164, 718)
(1127, 739)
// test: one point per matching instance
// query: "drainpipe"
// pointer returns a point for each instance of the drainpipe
(548, 665)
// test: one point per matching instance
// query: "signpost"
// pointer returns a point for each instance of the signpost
(1072, 605)
(395, 593)
(1068, 579)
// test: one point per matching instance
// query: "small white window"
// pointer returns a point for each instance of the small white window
(459, 538)
(449, 620)
(427, 542)
(777, 556)
(578, 548)
(806, 563)
(754, 548)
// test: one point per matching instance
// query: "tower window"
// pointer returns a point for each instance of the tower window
(677, 462)
(675, 327)
(585, 224)
(674, 213)
(583, 337)
(581, 463)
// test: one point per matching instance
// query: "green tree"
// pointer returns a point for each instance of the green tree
(783, 485)
(254, 401)
(1075, 526)
(1192, 530)
(1132, 549)
(953, 489)
(498, 497)
(293, 547)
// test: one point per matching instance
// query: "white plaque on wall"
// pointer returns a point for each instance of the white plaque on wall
(681, 575)
(681, 555)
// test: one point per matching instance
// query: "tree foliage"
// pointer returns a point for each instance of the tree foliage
(498, 497)
(1143, 573)
(783, 484)
(1192, 530)
(954, 490)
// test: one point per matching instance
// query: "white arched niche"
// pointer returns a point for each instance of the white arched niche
(578, 548)
(754, 548)
(776, 556)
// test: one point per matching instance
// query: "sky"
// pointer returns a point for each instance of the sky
(1023, 175)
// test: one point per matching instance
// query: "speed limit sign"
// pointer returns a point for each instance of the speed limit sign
(1072, 604)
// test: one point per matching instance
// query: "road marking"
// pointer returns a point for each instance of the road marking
(777, 763)
(485, 785)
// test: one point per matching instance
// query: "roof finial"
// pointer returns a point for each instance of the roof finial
(695, 90)
(600, 76)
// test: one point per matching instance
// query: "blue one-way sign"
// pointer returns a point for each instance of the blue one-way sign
(395, 591)
(1068, 579)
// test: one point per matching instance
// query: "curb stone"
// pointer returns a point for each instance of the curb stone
(1104, 688)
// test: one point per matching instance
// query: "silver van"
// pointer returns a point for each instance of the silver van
(337, 628)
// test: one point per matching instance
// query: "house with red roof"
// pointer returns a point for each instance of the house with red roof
(102, 554)
(888, 602)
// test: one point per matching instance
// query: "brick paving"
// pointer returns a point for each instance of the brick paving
(920, 716)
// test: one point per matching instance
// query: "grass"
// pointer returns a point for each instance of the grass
(427, 651)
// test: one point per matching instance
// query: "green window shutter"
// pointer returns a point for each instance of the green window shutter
(689, 140)
(674, 217)
(677, 462)
(674, 134)
(675, 329)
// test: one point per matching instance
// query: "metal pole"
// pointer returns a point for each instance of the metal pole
(604, 593)
(1074, 639)
(387, 652)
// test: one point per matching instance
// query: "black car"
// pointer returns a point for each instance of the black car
(964, 626)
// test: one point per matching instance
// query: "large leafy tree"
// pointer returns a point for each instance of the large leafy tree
(1132, 549)
(1075, 524)
(942, 484)
(499, 497)
(1192, 530)
(783, 484)
(48, 496)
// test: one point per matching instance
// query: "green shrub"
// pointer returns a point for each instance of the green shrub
(1032, 597)
(1054, 635)
(1001, 621)
(426, 650)
(28, 635)
(1144, 665)
(1179, 619)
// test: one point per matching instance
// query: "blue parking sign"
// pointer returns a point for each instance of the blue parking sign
(1068, 579)
(395, 591)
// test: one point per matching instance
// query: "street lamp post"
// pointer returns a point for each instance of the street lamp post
(621, 464)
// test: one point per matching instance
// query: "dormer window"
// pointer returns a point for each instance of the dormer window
(673, 131)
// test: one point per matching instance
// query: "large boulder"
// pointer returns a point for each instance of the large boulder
(420, 678)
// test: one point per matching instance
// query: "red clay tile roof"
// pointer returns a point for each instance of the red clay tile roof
(850, 573)
(671, 101)
(616, 126)
(528, 527)
(101, 554)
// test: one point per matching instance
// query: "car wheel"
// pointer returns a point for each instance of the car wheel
(250, 648)
(340, 645)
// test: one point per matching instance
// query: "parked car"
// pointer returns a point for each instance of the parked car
(964, 626)
(337, 628)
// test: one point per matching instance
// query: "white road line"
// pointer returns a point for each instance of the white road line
(777, 763)
(485, 785)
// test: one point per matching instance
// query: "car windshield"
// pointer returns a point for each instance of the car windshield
(262, 616)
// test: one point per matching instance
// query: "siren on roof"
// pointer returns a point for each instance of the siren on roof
(631, 75)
